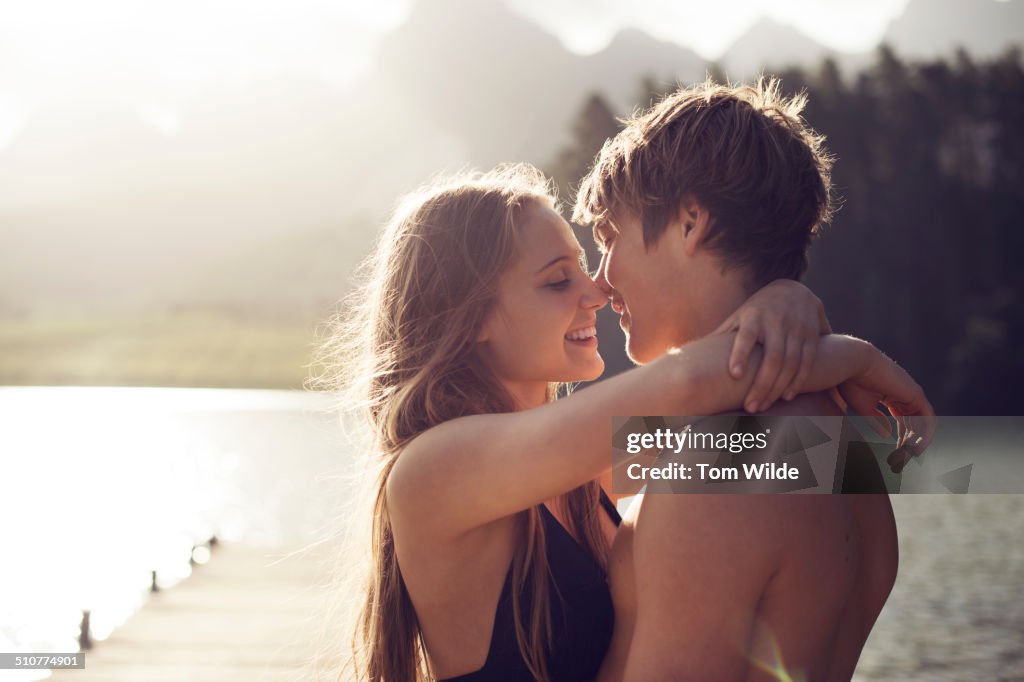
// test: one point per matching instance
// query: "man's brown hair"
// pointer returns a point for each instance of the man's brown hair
(744, 153)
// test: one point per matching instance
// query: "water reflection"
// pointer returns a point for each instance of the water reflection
(102, 486)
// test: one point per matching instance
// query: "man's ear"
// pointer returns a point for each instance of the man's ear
(693, 220)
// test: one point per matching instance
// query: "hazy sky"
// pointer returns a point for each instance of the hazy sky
(155, 53)
(710, 27)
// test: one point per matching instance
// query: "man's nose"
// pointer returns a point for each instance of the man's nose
(600, 277)
(595, 297)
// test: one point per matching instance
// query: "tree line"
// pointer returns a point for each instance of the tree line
(923, 257)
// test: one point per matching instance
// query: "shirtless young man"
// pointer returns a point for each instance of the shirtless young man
(695, 204)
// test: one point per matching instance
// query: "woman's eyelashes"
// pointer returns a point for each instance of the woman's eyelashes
(563, 279)
(560, 284)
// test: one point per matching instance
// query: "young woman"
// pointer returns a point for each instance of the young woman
(490, 528)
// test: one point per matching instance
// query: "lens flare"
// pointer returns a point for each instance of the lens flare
(776, 667)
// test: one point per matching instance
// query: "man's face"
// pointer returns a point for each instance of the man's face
(647, 286)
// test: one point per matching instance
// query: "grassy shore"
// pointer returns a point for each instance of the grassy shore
(192, 347)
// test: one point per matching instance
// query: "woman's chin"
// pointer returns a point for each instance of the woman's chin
(594, 371)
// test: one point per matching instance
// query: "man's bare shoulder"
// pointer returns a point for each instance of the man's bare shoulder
(819, 404)
(753, 530)
(762, 528)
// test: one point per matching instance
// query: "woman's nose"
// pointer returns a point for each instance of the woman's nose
(594, 297)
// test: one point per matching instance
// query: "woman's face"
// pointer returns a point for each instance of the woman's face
(543, 328)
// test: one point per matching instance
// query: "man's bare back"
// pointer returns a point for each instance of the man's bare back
(717, 587)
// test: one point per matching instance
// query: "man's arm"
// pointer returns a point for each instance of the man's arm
(702, 563)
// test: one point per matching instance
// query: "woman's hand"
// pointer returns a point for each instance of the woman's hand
(788, 320)
(884, 382)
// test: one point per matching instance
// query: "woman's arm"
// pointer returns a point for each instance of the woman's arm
(473, 470)
(787, 319)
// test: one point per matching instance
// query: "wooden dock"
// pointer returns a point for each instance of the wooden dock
(250, 613)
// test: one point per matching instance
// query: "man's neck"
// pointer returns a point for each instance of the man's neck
(715, 304)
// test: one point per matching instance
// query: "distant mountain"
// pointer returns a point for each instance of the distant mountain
(927, 29)
(931, 28)
(769, 45)
(617, 70)
(478, 70)
(103, 209)
(98, 206)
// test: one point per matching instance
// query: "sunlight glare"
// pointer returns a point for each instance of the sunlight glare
(165, 120)
(12, 118)
(172, 49)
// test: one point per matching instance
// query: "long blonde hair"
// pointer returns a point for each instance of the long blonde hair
(403, 347)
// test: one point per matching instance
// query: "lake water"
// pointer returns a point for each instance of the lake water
(101, 486)
(957, 610)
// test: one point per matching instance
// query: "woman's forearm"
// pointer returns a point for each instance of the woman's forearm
(839, 358)
(524, 458)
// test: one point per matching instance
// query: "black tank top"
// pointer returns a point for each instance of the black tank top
(582, 617)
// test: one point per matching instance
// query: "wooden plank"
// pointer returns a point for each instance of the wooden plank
(251, 613)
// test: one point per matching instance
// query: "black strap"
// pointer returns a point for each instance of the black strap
(609, 507)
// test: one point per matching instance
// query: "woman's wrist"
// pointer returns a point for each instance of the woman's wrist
(699, 373)
(842, 357)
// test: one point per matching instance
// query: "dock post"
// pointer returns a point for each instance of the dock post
(84, 636)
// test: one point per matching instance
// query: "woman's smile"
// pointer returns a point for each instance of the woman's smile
(583, 336)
